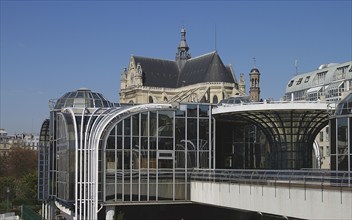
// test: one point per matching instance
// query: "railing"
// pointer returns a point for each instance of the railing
(296, 178)
(272, 102)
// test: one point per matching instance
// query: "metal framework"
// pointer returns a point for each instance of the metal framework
(290, 128)
(43, 161)
(129, 154)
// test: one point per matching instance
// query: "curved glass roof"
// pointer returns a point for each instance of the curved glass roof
(345, 106)
(82, 98)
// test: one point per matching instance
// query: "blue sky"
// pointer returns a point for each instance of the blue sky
(51, 47)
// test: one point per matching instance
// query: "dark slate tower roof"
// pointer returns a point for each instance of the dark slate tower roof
(182, 49)
(184, 70)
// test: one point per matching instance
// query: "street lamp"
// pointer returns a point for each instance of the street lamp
(7, 198)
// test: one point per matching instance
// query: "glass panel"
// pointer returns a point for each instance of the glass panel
(152, 124)
(333, 135)
(72, 95)
(350, 126)
(180, 113)
(165, 123)
(119, 160)
(192, 129)
(135, 125)
(165, 191)
(110, 144)
(180, 191)
(144, 124)
(110, 161)
(98, 103)
(203, 110)
(119, 128)
(80, 95)
(192, 110)
(152, 143)
(204, 159)
(166, 143)
(119, 143)
(127, 160)
(203, 134)
(180, 159)
(343, 162)
(333, 162)
(127, 126)
(69, 103)
(110, 191)
(342, 136)
(144, 143)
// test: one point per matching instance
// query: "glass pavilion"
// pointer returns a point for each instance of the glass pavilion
(94, 153)
(341, 136)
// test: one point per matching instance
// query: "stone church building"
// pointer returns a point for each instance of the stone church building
(199, 79)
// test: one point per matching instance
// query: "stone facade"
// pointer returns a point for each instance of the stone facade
(200, 79)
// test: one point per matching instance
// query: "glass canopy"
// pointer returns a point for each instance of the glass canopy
(81, 98)
(345, 106)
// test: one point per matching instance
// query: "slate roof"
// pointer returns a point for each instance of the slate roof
(166, 73)
(157, 72)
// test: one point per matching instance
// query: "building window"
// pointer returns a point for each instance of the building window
(291, 83)
(321, 136)
(215, 99)
(320, 78)
(299, 81)
(150, 99)
(307, 79)
(340, 73)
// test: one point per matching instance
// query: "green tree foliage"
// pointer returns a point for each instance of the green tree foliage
(119, 216)
(18, 173)
(26, 190)
(21, 161)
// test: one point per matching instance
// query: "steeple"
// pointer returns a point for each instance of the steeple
(254, 78)
(182, 50)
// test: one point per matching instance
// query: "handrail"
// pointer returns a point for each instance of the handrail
(297, 177)
(265, 102)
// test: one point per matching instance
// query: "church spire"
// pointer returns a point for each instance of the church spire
(182, 49)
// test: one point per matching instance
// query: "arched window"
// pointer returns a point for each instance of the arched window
(165, 99)
(131, 102)
(150, 99)
(215, 99)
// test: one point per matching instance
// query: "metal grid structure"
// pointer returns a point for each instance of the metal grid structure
(289, 127)
(43, 161)
(126, 154)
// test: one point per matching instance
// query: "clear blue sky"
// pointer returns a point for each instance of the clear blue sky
(49, 48)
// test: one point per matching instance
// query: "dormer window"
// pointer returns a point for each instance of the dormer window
(307, 79)
(299, 81)
(291, 83)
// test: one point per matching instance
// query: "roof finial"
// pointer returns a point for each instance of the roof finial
(254, 62)
(296, 66)
(215, 38)
(182, 53)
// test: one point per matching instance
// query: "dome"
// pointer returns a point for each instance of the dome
(254, 70)
(82, 98)
(345, 106)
